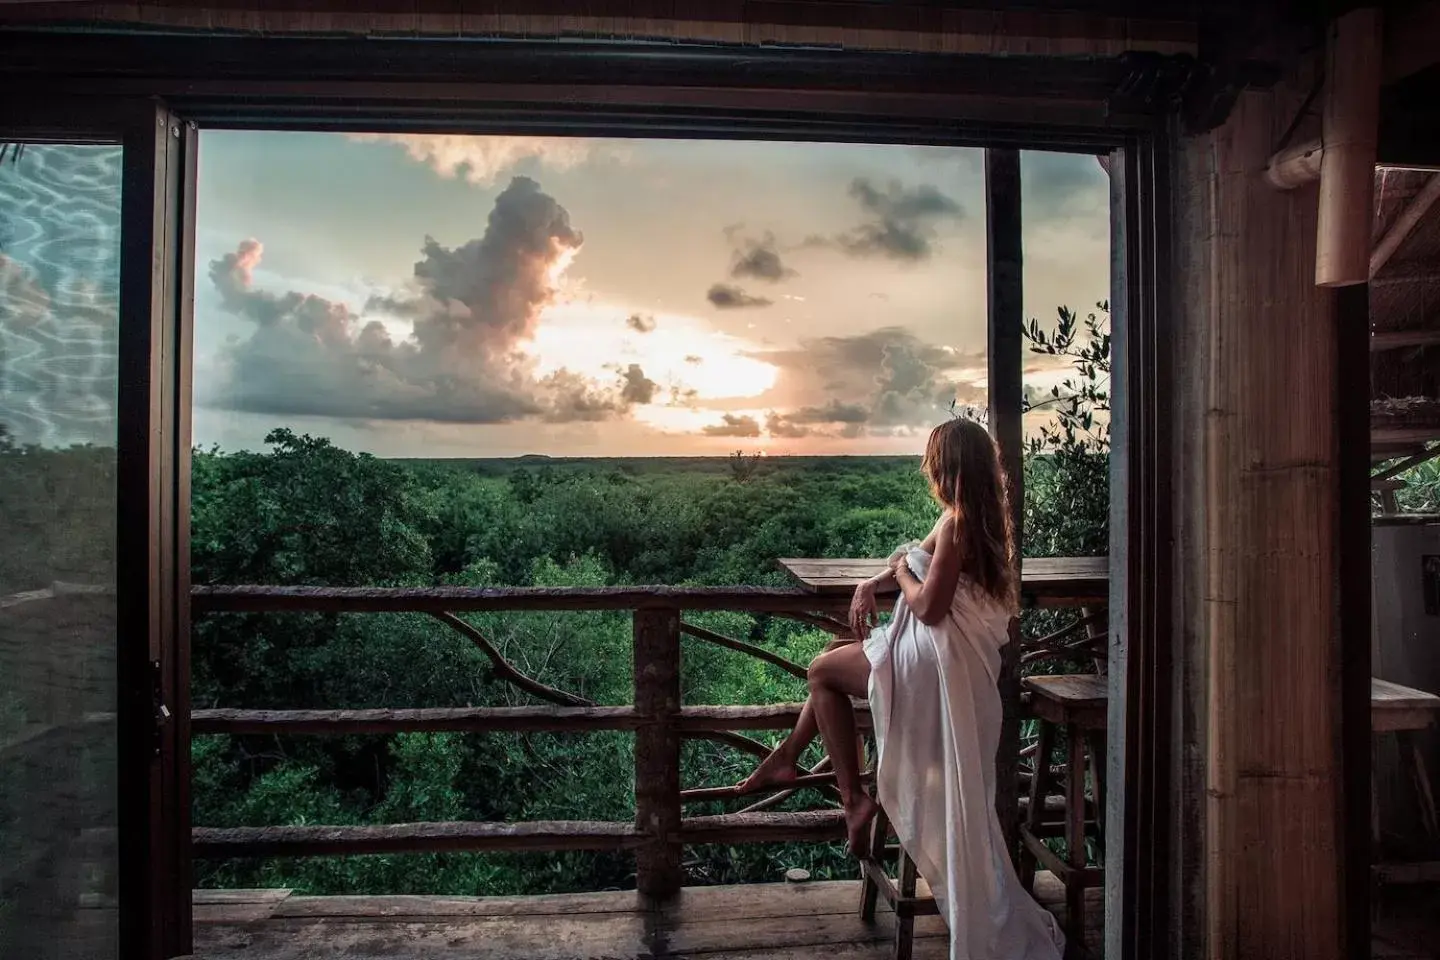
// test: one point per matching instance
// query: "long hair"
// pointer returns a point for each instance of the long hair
(962, 465)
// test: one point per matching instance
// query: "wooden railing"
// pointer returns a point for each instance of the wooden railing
(658, 719)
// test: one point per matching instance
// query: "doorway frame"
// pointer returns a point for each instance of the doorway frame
(680, 90)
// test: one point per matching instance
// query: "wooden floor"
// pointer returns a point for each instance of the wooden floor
(801, 921)
(805, 921)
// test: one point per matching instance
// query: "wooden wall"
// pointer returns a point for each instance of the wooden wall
(1256, 551)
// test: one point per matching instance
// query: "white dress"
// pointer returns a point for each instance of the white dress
(937, 716)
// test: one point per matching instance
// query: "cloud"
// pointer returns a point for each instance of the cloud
(728, 297)
(731, 425)
(640, 323)
(902, 222)
(759, 260)
(878, 383)
(637, 388)
(481, 160)
(474, 309)
(1064, 184)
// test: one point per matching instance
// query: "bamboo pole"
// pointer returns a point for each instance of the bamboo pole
(1295, 166)
(1347, 166)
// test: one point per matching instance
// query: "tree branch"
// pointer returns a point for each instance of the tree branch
(505, 670)
(760, 653)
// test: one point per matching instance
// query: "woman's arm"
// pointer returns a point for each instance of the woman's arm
(930, 600)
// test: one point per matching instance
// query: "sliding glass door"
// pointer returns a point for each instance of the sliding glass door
(91, 590)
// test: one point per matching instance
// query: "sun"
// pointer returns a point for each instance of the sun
(688, 359)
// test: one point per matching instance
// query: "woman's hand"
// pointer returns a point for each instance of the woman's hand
(863, 612)
(906, 580)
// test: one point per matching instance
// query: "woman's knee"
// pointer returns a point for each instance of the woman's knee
(840, 669)
(821, 674)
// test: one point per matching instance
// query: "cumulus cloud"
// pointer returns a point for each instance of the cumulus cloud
(759, 260)
(902, 221)
(636, 387)
(474, 310)
(877, 383)
(733, 425)
(481, 160)
(640, 323)
(726, 296)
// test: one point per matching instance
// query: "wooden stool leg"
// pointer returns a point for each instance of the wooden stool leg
(905, 926)
(1039, 788)
(1375, 836)
(875, 853)
(1410, 750)
(1075, 834)
(1095, 741)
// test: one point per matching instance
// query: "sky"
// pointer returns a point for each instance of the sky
(442, 296)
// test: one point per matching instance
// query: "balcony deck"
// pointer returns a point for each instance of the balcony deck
(804, 921)
(790, 921)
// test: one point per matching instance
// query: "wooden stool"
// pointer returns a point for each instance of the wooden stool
(1402, 712)
(1077, 703)
(901, 895)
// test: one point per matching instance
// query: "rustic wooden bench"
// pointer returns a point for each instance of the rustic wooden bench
(1402, 712)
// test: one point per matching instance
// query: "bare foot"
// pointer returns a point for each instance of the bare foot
(775, 770)
(857, 823)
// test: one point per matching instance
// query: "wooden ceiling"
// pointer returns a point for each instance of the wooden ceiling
(1077, 27)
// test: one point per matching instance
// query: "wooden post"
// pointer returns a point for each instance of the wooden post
(1263, 639)
(1005, 288)
(657, 752)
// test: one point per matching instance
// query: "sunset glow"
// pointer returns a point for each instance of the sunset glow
(498, 296)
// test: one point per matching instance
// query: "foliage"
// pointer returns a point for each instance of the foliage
(1067, 482)
(1421, 492)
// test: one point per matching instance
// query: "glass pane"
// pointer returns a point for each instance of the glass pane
(59, 280)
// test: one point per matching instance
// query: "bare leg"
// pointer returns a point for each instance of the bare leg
(835, 677)
(778, 769)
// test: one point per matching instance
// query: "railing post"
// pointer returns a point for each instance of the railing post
(658, 873)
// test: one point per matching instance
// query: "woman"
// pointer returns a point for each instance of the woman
(931, 681)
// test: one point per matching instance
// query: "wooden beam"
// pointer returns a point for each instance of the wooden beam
(1407, 271)
(658, 872)
(266, 599)
(1409, 463)
(1005, 289)
(1103, 30)
(737, 828)
(1405, 224)
(771, 716)
(1400, 339)
(430, 720)
(531, 719)
(1398, 435)
(218, 843)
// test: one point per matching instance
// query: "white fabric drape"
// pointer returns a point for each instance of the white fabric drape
(937, 716)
